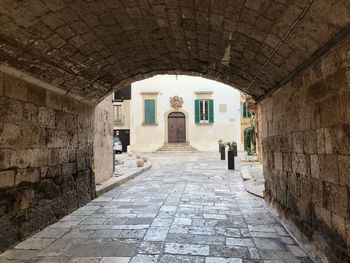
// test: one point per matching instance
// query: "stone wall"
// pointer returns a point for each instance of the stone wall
(45, 157)
(305, 133)
(103, 141)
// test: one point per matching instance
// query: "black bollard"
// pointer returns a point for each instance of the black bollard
(231, 160)
(222, 152)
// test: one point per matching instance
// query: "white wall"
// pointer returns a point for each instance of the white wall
(204, 137)
(103, 141)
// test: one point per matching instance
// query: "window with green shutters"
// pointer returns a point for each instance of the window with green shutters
(245, 113)
(150, 112)
(204, 111)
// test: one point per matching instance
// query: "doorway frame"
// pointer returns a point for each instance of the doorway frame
(166, 127)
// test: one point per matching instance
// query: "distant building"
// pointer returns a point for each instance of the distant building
(171, 109)
(121, 113)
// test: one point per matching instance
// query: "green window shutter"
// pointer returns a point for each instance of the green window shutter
(196, 111)
(211, 111)
(150, 111)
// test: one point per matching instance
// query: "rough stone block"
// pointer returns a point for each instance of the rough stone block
(340, 139)
(20, 158)
(336, 199)
(7, 178)
(24, 199)
(328, 168)
(38, 157)
(321, 145)
(339, 225)
(1, 84)
(301, 163)
(65, 121)
(315, 116)
(11, 111)
(46, 117)
(328, 141)
(317, 193)
(69, 105)
(298, 142)
(53, 100)
(293, 121)
(330, 111)
(304, 117)
(324, 215)
(61, 155)
(30, 114)
(345, 107)
(27, 175)
(287, 145)
(69, 169)
(278, 161)
(15, 88)
(8, 135)
(36, 95)
(58, 138)
(314, 166)
(344, 169)
(5, 159)
(30, 137)
(287, 162)
(54, 171)
(310, 142)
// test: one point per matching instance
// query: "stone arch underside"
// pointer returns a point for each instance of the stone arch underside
(89, 48)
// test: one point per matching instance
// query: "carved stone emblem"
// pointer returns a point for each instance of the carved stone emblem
(176, 102)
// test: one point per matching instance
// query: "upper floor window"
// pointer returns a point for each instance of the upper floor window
(150, 111)
(118, 114)
(204, 111)
(245, 113)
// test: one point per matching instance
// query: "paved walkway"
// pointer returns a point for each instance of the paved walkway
(185, 209)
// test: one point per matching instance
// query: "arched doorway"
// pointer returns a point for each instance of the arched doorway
(176, 127)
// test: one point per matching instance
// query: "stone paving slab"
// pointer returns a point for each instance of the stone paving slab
(122, 177)
(253, 177)
(188, 208)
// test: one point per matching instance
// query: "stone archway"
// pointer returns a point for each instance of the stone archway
(65, 51)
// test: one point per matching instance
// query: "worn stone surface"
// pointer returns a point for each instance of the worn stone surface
(45, 159)
(312, 187)
(221, 222)
(87, 47)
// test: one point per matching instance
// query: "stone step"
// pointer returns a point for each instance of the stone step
(176, 147)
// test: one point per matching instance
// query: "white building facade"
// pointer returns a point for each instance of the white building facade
(182, 109)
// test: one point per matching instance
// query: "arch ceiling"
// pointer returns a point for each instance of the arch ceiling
(90, 47)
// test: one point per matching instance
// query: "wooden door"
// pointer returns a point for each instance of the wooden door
(176, 127)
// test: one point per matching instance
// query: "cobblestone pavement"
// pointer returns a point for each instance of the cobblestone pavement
(188, 208)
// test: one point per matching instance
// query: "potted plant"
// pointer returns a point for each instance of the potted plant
(220, 142)
(231, 153)
(222, 150)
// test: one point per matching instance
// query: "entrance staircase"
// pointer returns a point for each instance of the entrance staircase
(177, 148)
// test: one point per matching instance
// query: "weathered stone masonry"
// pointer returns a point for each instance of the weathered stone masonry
(305, 133)
(45, 157)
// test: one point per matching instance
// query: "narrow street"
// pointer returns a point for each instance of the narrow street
(187, 208)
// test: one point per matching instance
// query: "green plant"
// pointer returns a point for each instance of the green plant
(232, 146)
(249, 140)
(221, 143)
